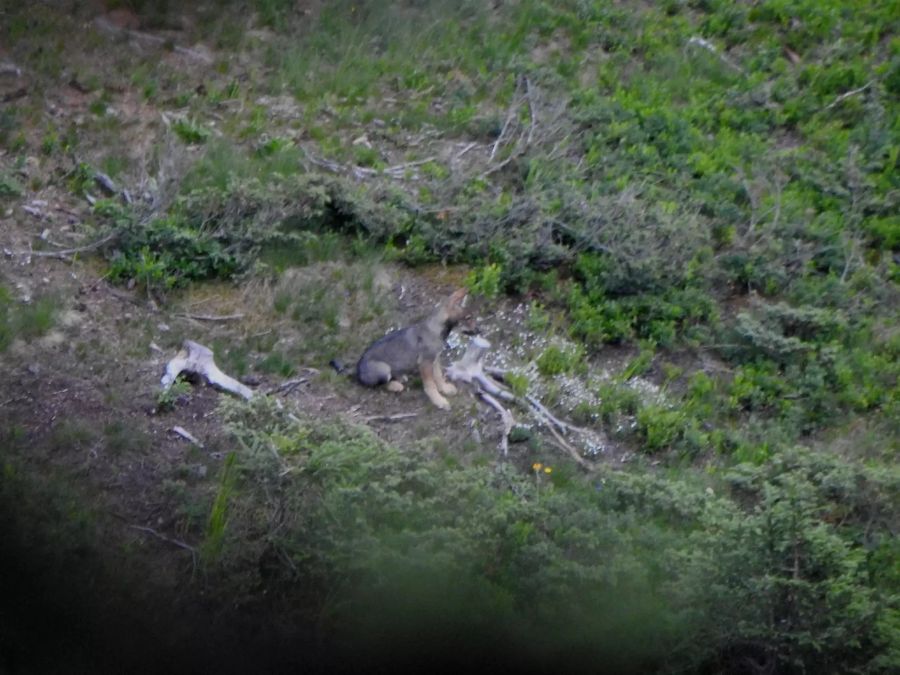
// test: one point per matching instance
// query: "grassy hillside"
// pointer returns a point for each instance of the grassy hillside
(693, 207)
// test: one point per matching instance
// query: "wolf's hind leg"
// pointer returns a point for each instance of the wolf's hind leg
(372, 373)
(426, 369)
(442, 385)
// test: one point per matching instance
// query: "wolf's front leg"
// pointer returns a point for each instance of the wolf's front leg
(442, 385)
(427, 369)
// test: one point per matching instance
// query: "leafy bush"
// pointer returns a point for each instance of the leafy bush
(768, 574)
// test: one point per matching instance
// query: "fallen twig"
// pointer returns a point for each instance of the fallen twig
(8, 67)
(390, 418)
(105, 182)
(565, 445)
(510, 115)
(711, 48)
(531, 110)
(466, 149)
(209, 317)
(360, 172)
(66, 253)
(564, 427)
(104, 24)
(187, 435)
(505, 416)
(170, 540)
(24, 397)
(289, 386)
(848, 94)
(497, 167)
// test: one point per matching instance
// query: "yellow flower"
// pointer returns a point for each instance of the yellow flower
(537, 466)
(547, 469)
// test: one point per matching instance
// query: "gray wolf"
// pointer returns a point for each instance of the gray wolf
(417, 347)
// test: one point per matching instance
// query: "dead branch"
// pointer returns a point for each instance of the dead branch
(67, 253)
(564, 427)
(289, 386)
(390, 418)
(505, 417)
(466, 149)
(174, 542)
(848, 94)
(565, 445)
(711, 48)
(10, 68)
(531, 111)
(196, 358)
(104, 24)
(209, 317)
(106, 183)
(497, 167)
(470, 369)
(510, 115)
(187, 435)
(396, 171)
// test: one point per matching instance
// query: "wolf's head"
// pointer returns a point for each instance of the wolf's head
(455, 314)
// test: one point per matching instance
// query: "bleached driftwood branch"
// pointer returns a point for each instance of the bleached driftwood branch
(196, 358)
(505, 416)
(470, 368)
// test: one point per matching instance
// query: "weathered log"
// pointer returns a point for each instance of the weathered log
(470, 368)
(195, 358)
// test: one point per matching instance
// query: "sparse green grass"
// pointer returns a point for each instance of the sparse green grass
(71, 435)
(276, 363)
(190, 132)
(712, 183)
(168, 399)
(26, 321)
(218, 515)
(124, 439)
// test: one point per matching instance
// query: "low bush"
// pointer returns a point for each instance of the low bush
(630, 557)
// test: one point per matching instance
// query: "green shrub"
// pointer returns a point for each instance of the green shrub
(486, 280)
(775, 555)
(659, 427)
(556, 360)
(190, 132)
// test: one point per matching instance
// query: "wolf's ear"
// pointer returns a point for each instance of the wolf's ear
(458, 296)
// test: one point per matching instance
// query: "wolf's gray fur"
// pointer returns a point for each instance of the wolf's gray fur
(416, 347)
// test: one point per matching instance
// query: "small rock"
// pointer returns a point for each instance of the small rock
(163, 327)
(34, 369)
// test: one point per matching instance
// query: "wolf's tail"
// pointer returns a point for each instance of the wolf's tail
(340, 367)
